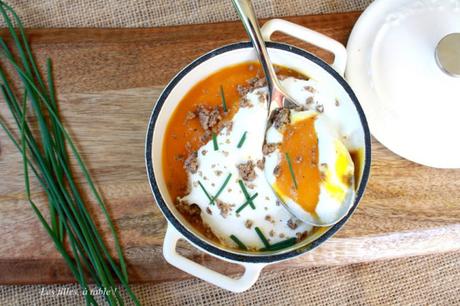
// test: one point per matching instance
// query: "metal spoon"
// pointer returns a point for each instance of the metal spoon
(248, 17)
(279, 98)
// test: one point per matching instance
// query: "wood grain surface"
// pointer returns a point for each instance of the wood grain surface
(108, 81)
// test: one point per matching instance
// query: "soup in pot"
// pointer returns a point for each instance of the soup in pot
(215, 156)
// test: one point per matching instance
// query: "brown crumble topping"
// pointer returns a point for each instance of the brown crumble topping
(204, 152)
(218, 172)
(242, 90)
(301, 108)
(208, 210)
(261, 163)
(206, 135)
(337, 103)
(245, 103)
(292, 224)
(252, 81)
(271, 233)
(320, 108)
(267, 198)
(282, 235)
(229, 127)
(246, 171)
(262, 96)
(248, 223)
(256, 82)
(277, 171)
(268, 148)
(213, 185)
(269, 219)
(190, 115)
(224, 208)
(301, 236)
(191, 163)
(280, 117)
(192, 210)
(261, 82)
(225, 124)
(310, 89)
(309, 100)
(229, 189)
(208, 118)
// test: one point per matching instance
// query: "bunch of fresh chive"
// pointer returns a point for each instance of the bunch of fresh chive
(70, 225)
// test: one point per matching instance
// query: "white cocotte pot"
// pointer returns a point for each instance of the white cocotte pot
(281, 54)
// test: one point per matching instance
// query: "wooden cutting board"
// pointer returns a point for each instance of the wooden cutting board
(109, 79)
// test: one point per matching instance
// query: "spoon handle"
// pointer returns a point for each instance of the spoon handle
(248, 17)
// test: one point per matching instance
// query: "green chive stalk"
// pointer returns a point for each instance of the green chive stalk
(70, 223)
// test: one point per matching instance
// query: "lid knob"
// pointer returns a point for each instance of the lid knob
(448, 54)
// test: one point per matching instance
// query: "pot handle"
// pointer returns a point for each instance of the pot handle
(310, 36)
(249, 277)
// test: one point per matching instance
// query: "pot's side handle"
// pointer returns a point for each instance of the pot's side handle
(310, 36)
(249, 277)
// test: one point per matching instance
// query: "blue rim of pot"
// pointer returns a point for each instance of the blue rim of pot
(254, 257)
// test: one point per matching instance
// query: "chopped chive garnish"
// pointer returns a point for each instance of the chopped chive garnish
(291, 170)
(222, 96)
(214, 141)
(238, 242)
(262, 237)
(222, 187)
(206, 193)
(281, 245)
(246, 194)
(243, 138)
(246, 203)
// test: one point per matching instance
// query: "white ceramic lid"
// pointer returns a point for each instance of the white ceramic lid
(412, 104)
